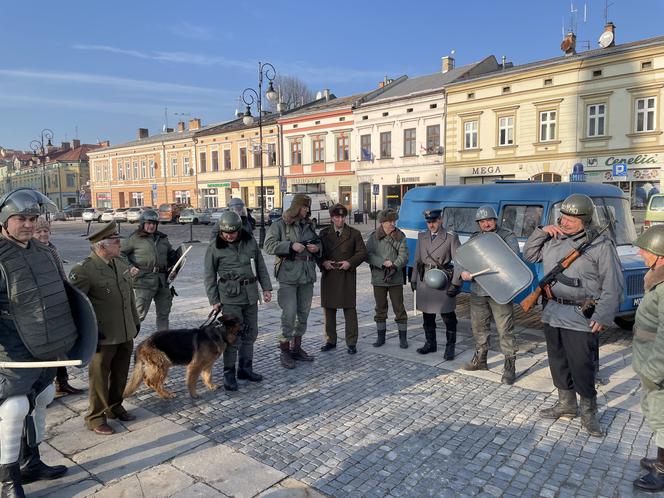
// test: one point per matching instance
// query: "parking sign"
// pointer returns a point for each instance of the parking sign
(376, 189)
(620, 169)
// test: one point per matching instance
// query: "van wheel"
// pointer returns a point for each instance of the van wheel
(625, 322)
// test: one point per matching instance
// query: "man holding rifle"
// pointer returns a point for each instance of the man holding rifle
(581, 294)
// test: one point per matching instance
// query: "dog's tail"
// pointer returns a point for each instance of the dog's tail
(136, 378)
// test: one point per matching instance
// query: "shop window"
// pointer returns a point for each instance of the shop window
(522, 220)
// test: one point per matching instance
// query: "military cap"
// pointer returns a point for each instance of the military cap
(388, 214)
(108, 231)
(432, 214)
(338, 210)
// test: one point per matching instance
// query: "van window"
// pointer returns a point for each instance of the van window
(656, 203)
(323, 205)
(165, 207)
(460, 219)
(522, 220)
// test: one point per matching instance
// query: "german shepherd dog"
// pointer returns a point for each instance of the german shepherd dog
(197, 348)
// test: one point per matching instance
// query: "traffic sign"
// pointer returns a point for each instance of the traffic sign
(620, 169)
(154, 186)
(283, 186)
(376, 189)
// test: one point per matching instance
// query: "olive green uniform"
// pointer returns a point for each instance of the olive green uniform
(153, 255)
(230, 281)
(109, 288)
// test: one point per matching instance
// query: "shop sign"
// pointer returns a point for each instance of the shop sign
(487, 170)
(639, 175)
(103, 196)
(637, 160)
(408, 179)
(220, 185)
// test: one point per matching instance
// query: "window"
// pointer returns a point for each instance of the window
(386, 144)
(470, 96)
(546, 177)
(243, 158)
(186, 171)
(227, 159)
(202, 163)
(215, 160)
(506, 130)
(257, 156)
(71, 179)
(127, 171)
(343, 152)
(507, 89)
(597, 73)
(144, 168)
(119, 170)
(135, 168)
(433, 106)
(409, 142)
(319, 150)
(296, 151)
(547, 126)
(645, 114)
(646, 65)
(596, 117)
(460, 219)
(365, 117)
(433, 139)
(152, 168)
(522, 220)
(174, 166)
(410, 109)
(271, 155)
(385, 114)
(365, 147)
(470, 135)
(548, 81)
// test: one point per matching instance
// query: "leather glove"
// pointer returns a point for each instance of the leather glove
(453, 290)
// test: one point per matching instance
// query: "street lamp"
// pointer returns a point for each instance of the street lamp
(3, 153)
(41, 152)
(249, 97)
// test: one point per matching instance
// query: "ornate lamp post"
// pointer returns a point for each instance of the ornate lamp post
(41, 152)
(249, 97)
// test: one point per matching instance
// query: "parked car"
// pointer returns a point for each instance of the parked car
(195, 216)
(120, 214)
(92, 214)
(255, 216)
(170, 212)
(215, 214)
(274, 215)
(134, 214)
(73, 211)
(58, 216)
(654, 211)
(107, 215)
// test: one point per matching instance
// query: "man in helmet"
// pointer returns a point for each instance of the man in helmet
(233, 267)
(32, 329)
(151, 255)
(483, 307)
(435, 249)
(648, 352)
(293, 240)
(237, 206)
(585, 301)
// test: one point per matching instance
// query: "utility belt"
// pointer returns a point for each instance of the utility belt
(304, 258)
(240, 281)
(587, 306)
(644, 335)
(154, 269)
(429, 266)
(567, 302)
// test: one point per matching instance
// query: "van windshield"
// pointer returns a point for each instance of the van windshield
(623, 231)
(656, 203)
(165, 207)
(460, 219)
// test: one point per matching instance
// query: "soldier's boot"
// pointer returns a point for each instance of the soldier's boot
(565, 407)
(245, 371)
(450, 335)
(430, 346)
(33, 469)
(297, 353)
(509, 371)
(478, 361)
(62, 387)
(403, 341)
(10, 481)
(287, 360)
(230, 382)
(589, 422)
(653, 480)
(380, 340)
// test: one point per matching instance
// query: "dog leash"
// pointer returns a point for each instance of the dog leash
(210, 319)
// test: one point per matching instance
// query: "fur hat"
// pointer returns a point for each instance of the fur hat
(388, 214)
(299, 200)
(338, 210)
(42, 223)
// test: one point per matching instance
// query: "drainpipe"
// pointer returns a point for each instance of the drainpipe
(445, 138)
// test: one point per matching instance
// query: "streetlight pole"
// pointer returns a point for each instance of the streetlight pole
(249, 97)
(41, 152)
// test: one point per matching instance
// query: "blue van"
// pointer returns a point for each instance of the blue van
(521, 207)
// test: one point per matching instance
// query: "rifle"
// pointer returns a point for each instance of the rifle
(550, 278)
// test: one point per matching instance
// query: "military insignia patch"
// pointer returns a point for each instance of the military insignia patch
(72, 276)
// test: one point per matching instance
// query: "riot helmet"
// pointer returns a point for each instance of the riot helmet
(485, 212)
(435, 278)
(652, 240)
(580, 206)
(148, 215)
(26, 202)
(237, 205)
(229, 222)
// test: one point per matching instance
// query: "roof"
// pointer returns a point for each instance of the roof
(76, 154)
(324, 104)
(236, 125)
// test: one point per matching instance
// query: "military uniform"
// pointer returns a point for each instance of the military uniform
(338, 287)
(153, 255)
(230, 281)
(109, 288)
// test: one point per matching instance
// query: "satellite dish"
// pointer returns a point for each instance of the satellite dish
(606, 39)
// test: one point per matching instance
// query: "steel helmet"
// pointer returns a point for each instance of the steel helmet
(435, 278)
(148, 215)
(237, 205)
(652, 240)
(25, 201)
(580, 206)
(485, 212)
(230, 221)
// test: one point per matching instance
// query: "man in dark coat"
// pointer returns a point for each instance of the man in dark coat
(343, 251)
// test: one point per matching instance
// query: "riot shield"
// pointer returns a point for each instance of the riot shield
(86, 325)
(500, 272)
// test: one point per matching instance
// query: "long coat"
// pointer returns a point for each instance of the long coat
(337, 287)
(436, 254)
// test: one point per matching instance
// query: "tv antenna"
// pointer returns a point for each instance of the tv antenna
(165, 128)
(607, 4)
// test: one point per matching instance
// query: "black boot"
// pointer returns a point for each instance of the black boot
(246, 371)
(589, 420)
(509, 370)
(478, 362)
(430, 346)
(565, 406)
(297, 353)
(653, 480)
(230, 382)
(403, 341)
(287, 360)
(33, 469)
(62, 387)
(10, 481)
(449, 346)
(380, 339)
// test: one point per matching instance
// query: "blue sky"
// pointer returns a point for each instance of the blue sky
(108, 68)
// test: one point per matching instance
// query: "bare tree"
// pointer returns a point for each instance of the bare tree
(292, 92)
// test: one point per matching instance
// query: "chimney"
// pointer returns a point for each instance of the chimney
(194, 124)
(143, 133)
(447, 63)
(65, 146)
(326, 93)
(180, 126)
(76, 143)
(568, 45)
(105, 143)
